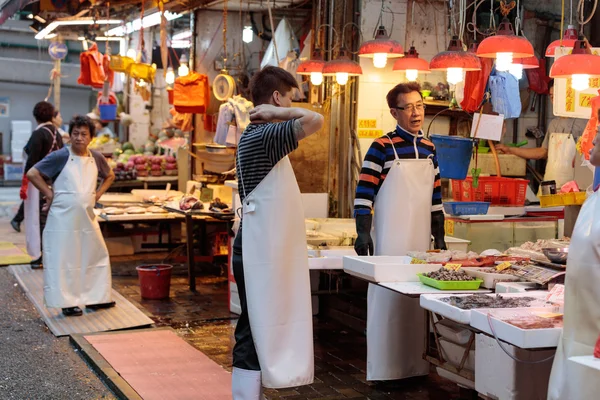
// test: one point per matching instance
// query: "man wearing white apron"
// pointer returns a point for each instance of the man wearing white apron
(274, 340)
(43, 141)
(569, 380)
(76, 261)
(400, 182)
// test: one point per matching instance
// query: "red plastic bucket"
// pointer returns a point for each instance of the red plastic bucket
(155, 281)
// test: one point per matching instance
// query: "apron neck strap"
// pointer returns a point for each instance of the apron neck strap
(393, 148)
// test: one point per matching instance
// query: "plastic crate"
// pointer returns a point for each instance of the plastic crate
(457, 208)
(497, 191)
(450, 285)
(563, 199)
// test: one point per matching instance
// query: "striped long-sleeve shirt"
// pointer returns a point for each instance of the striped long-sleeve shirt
(378, 161)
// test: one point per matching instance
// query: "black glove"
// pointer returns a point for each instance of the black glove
(364, 243)
(438, 231)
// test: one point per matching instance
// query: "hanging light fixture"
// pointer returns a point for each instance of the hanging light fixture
(381, 48)
(568, 40)
(519, 64)
(455, 61)
(170, 76)
(579, 65)
(313, 67)
(342, 68)
(183, 69)
(247, 34)
(505, 46)
(411, 64)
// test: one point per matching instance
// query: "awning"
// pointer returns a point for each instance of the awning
(10, 7)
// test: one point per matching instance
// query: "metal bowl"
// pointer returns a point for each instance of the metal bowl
(557, 255)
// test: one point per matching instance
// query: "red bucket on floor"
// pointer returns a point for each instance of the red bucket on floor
(155, 281)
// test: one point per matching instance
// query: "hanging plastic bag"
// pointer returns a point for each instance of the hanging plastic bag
(537, 78)
(506, 98)
(92, 68)
(285, 39)
(475, 84)
(190, 93)
(120, 63)
(142, 72)
(585, 143)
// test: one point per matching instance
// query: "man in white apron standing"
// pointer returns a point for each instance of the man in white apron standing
(400, 183)
(274, 341)
(581, 328)
(43, 141)
(76, 261)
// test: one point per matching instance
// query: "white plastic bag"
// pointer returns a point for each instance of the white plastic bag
(506, 98)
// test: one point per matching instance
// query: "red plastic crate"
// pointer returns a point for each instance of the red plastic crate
(497, 191)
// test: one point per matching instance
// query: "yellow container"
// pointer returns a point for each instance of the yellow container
(568, 198)
(580, 197)
(563, 199)
(120, 63)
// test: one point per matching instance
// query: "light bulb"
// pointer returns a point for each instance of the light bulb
(516, 70)
(142, 83)
(503, 61)
(379, 60)
(170, 76)
(341, 78)
(580, 82)
(247, 34)
(183, 70)
(131, 53)
(454, 75)
(412, 75)
(316, 78)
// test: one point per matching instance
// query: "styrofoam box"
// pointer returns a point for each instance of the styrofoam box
(453, 353)
(523, 338)
(433, 303)
(500, 377)
(454, 332)
(329, 258)
(457, 244)
(515, 287)
(490, 279)
(386, 268)
(582, 371)
(459, 380)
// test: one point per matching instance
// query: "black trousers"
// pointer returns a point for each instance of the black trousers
(244, 351)
(20, 217)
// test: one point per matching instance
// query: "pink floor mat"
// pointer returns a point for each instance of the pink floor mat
(160, 365)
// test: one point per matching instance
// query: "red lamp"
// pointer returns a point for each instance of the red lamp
(568, 40)
(578, 65)
(455, 61)
(411, 64)
(519, 64)
(313, 67)
(505, 46)
(381, 48)
(342, 68)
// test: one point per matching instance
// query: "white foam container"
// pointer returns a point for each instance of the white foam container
(329, 258)
(452, 331)
(490, 279)
(433, 303)
(453, 243)
(459, 380)
(515, 287)
(386, 268)
(500, 377)
(523, 338)
(582, 371)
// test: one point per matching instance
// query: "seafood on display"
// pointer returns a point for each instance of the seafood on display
(443, 256)
(444, 274)
(484, 301)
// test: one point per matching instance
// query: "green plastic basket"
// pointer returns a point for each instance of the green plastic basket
(450, 285)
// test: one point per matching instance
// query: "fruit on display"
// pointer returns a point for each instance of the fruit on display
(127, 146)
(124, 171)
(130, 166)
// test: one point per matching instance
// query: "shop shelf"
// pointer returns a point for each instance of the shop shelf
(497, 191)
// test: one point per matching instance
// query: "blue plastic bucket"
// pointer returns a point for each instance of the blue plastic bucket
(454, 155)
(108, 112)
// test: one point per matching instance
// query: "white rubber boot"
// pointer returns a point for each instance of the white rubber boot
(246, 384)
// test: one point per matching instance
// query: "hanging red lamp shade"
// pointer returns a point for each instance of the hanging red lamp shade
(411, 64)
(579, 65)
(381, 48)
(505, 46)
(455, 61)
(313, 67)
(528, 63)
(342, 68)
(568, 41)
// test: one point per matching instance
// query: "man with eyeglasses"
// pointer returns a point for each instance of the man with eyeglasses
(400, 191)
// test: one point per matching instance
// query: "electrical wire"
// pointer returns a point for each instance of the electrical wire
(581, 11)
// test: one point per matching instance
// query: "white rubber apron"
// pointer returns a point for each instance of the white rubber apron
(31, 209)
(76, 261)
(402, 222)
(582, 309)
(277, 279)
(561, 151)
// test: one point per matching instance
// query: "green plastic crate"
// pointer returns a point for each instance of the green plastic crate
(450, 285)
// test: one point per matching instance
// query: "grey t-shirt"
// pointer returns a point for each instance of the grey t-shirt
(52, 165)
(575, 126)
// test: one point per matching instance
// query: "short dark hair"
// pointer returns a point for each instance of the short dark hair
(43, 112)
(268, 80)
(56, 112)
(81, 120)
(402, 88)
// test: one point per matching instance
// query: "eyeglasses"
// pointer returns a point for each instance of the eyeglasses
(410, 108)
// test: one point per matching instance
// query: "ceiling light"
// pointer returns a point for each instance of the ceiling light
(381, 48)
(313, 67)
(182, 35)
(342, 68)
(567, 40)
(247, 34)
(67, 22)
(411, 64)
(170, 76)
(579, 65)
(29, 16)
(183, 69)
(181, 44)
(504, 46)
(455, 61)
(146, 22)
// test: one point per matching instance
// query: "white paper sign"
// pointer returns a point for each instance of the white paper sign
(569, 102)
(489, 128)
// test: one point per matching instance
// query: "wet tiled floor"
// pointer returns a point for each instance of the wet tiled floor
(203, 319)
